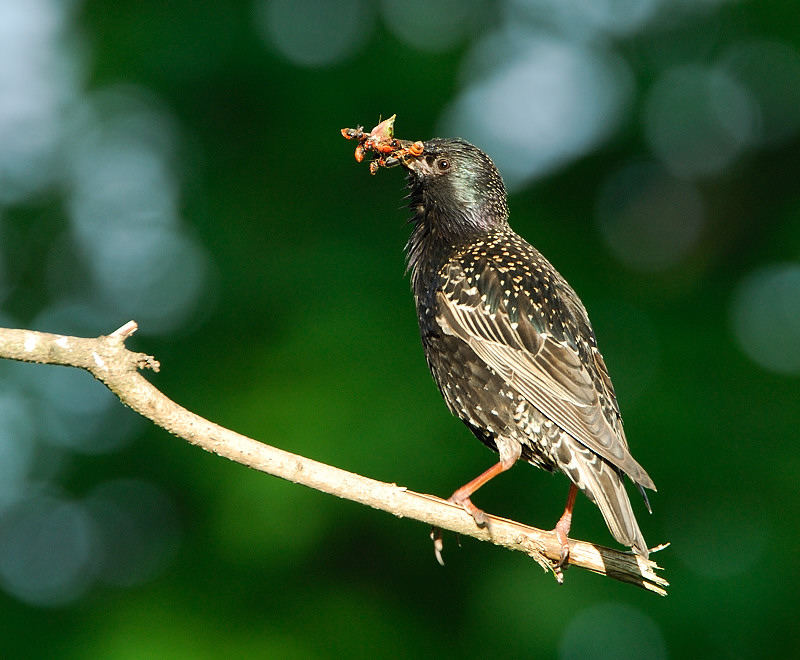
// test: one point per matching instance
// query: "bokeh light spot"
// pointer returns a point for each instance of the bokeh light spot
(78, 412)
(39, 77)
(314, 33)
(431, 26)
(124, 212)
(155, 276)
(698, 120)
(770, 71)
(93, 433)
(649, 219)
(583, 18)
(46, 548)
(539, 102)
(4, 284)
(137, 527)
(17, 443)
(765, 314)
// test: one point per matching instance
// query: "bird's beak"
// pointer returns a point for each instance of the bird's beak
(413, 162)
(393, 161)
(410, 157)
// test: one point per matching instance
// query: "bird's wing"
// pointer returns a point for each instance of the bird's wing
(494, 315)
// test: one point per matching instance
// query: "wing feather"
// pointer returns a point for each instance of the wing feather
(549, 371)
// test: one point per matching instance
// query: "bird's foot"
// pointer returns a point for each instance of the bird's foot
(563, 525)
(561, 530)
(438, 544)
(465, 503)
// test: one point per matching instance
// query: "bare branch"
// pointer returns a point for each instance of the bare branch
(107, 359)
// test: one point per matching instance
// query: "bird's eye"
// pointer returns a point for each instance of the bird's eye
(443, 164)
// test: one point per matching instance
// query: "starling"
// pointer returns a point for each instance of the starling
(509, 342)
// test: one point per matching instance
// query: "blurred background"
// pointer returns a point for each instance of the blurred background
(180, 164)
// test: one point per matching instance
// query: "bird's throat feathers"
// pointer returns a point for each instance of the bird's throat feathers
(457, 197)
(442, 224)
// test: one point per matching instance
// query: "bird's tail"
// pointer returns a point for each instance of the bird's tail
(602, 483)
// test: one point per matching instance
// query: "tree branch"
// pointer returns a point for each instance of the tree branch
(107, 359)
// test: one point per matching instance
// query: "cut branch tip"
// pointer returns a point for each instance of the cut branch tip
(125, 331)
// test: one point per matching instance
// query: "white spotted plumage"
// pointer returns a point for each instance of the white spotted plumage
(508, 341)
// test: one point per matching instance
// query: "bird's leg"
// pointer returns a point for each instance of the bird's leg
(564, 523)
(461, 497)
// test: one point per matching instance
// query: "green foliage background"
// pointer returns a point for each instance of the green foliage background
(306, 339)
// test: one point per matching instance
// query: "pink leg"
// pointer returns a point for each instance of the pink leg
(461, 497)
(564, 523)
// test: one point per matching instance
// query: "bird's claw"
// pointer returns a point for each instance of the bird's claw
(438, 544)
(478, 515)
(561, 530)
(563, 556)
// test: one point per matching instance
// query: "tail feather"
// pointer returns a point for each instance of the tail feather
(645, 498)
(602, 483)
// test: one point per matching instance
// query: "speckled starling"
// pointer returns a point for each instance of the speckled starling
(509, 342)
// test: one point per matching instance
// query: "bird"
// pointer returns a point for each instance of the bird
(509, 342)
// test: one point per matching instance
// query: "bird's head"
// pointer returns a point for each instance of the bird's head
(456, 186)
